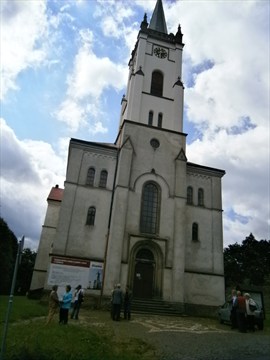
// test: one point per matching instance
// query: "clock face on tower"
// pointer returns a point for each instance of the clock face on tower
(160, 52)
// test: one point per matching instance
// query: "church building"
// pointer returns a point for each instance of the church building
(136, 211)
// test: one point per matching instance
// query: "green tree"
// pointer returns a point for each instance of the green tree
(8, 252)
(25, 271)
(248, 263)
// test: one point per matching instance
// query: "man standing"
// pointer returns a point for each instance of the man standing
(241, 312)
(78, 300)
(53, 304)
(117, 302)
(127, 303)
(233, 311)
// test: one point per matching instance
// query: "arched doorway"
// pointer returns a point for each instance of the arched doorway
(144, 272)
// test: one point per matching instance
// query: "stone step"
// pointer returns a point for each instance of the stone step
(156, 307)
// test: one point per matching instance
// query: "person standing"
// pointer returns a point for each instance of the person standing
(127, 303)
(53, 304)
(241, 312)
(233, 310)
(250, 304)
(65, 306)
(78, 300)
(117, 302)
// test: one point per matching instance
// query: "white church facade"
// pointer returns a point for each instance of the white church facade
(137, 212)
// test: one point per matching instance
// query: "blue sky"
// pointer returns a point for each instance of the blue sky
(64, 66)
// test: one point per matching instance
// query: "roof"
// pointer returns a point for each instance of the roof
(158, 21)
(56, 194)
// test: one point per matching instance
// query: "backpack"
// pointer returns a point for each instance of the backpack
(80, 297)
(252, 305)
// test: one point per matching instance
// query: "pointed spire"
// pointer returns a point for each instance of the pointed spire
(158, 21)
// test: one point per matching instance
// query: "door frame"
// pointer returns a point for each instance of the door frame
(157, 269)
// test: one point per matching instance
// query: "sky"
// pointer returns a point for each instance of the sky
(64, 66)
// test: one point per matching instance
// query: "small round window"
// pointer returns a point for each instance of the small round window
(154, 143)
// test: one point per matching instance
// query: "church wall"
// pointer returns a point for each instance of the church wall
(178, 247)
(147, 158)
(200, 254)
(115, 243)
(65, 214)
(169, 66)
(45, 245)
(89, 240)
(218, 259)
(205, 254)
(158, 105)
(74, 237)
(204, 289)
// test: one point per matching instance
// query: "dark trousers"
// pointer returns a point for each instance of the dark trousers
(75, 310)
(127, 311)
(241, 321)
(250, 323)
(234, 318)
(116, 311)
(63, 316)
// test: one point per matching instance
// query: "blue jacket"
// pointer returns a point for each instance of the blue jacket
(66, 302)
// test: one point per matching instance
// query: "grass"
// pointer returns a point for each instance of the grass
(29, 339)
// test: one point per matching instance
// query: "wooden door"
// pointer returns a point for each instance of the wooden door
(143, 279)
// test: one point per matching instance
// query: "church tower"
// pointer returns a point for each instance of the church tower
(137, 211)
(155, 90)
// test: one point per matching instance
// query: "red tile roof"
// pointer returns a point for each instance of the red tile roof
(56, 194)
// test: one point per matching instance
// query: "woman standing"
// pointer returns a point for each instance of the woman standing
(53, 304)
(65, 306)
(250, 308)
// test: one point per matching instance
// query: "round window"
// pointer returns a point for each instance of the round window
(154, 143)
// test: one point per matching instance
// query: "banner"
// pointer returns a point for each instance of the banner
(69, 271)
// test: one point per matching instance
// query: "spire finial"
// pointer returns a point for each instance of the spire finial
(144, 23)
(179, 35)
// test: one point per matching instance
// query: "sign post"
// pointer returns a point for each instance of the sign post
(17, 263)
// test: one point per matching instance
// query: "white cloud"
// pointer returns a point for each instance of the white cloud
(28, 170)
(89, 79)
(23, 23)
(228, 102)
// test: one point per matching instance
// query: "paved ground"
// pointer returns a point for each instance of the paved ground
(186, 338)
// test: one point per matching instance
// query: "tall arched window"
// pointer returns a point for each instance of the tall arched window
(91, 214)
(150, 208)
(195, 232)
(150, 118)
(200, 197)
(190, 195)
(90, 176)
(157, 83)
(103, 178)
(159, 124)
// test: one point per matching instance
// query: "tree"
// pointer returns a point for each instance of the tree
(8, 252)
(25, 271)
(248, 263)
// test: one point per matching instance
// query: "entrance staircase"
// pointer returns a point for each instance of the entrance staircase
(156, 307)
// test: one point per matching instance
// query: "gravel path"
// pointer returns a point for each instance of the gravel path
(186, 338)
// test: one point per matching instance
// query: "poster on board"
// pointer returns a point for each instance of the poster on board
(95, 275)
(70, 271)
(74, 272)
